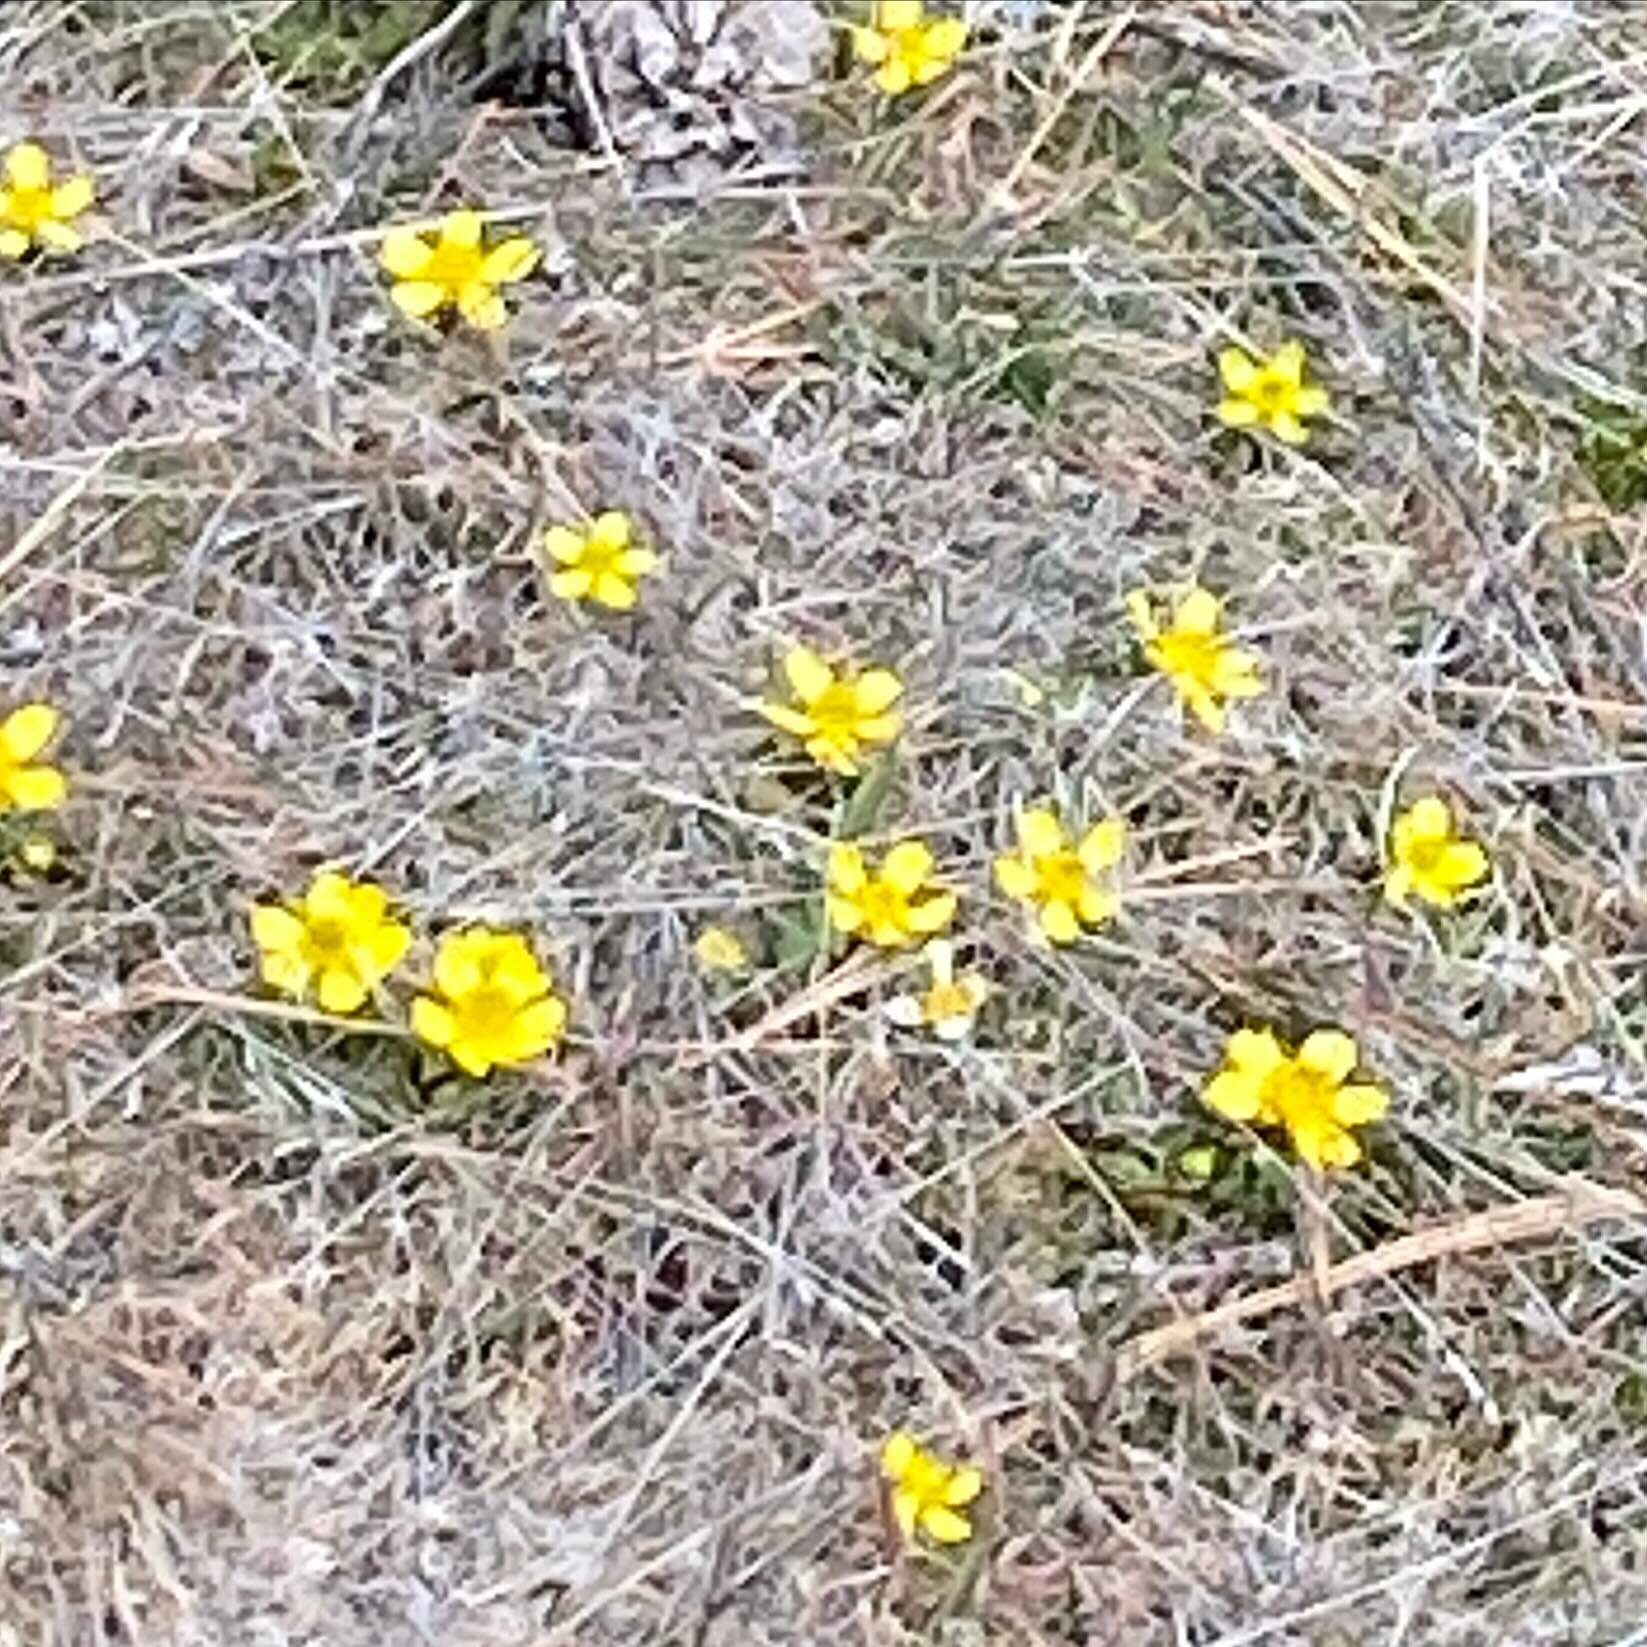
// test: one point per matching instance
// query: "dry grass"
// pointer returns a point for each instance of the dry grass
(299, 1347)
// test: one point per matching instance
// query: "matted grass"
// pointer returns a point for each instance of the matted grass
(302, 1341)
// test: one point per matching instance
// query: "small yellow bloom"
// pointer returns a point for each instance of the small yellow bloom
(950, 1005)
(597, 561)
(455, 269)
(26, 783)
(906, 46)
(719, 950)
(839, 712)
(1308, 1092)
(1428, 858)
(1271, 393)
(34, 211)
(927, 1492)
(338, 939)
(496, 1005)
(892, 907)
(1059, 878)
(1205, 667)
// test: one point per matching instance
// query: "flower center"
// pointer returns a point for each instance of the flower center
(487, 1013)
(26, 209)
(883, 905)
(925, 1480)
(1060, 878)
(328, 943)
(1298, 1093)
(835, 710)
(1192, 654)
(599, 558)
(454, 267)
(1271, 394)
(1424, 856)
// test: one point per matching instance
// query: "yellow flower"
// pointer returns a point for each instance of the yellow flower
(496, 1006)
(892, 907)
(950, 1005)
(719, 950)
(906, 47)
(34, 211)
(455, 269)
(1269, 392)
(928, 1493)
(597, 562)
(1308, 1092)
(1428, 859)
(1061, 878)
(25, 783)
(1205, 667)
(839, 712)
(338, 939)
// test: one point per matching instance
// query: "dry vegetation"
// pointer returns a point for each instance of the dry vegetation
(304, 1342)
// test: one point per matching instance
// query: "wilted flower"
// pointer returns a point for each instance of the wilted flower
(949, 1006)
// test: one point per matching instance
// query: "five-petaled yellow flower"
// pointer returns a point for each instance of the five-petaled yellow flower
(33, 210)
(338, 940)
(455, 269)
(597, 561)
(907, 47)
(1270, 393)
(927, 1492)
(838, 713)
(1060, 878)
(1429, 859)
(1308, 1092)
(493, 1004)
(950, 1005)
(25, 782)
(1204, 665)
(892, 906)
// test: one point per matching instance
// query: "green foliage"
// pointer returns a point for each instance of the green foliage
(1613, 453)
(331, 50)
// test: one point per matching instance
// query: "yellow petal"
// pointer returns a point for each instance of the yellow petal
(276, 929)
(875, 691)
(405, 254)
(808, 675)
(1288, 428)
(893, 76)
(482, 307)
(1311, 1135)
(509, 260)
(461, 229)
(417, 298)
(537, 1028)
(1235, 675)
(844, 914)
(869, 45)
(1398, 886)
(1463, 864)
(340, 992)
(964, 1486)
(945, 1525)
(611, 590)
(907, 866)
(1102, 846)
(1197, 612)
(1237, 414)
(564, 544)
(846, 867)
(1255, 1052)
(36, 788)
(1330, 1052)
(1142, 615)
(1236, 368)
(839, 755)
(387, 946)
(514, 968)
(1355, 1106)
(945, 37)
(1058, 922)
(899, 1452)
(940, 959)
(1287, 364)
(1310, 402)
(26, 731)
(432, 1022)
(58, 237)
(13, 242)
(1096, 905)
(611, 529)
(28, 167)
(285, 972)
(1015, 878)
(896, 15)
(906, 1510)
(932, 914)
(574, 584)
(879, 728)
(1203, 705)
(474, 1057)
(1234, 1094)
(1039, 832)
(1428, 819)
(637, 563)
(458, 964)
(328, 897)
(788, 720)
